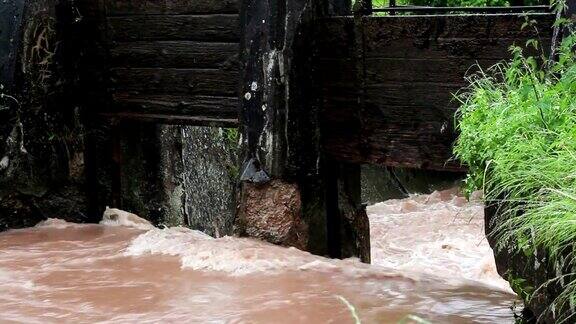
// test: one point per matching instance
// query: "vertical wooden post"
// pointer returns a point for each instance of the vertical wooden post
(284, 179)
(340, 7)
(11, 12)
(363, 7)
(273, 92)
(392, 4)
(348, 225)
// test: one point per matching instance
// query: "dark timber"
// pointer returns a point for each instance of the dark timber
(388, 92)
(10, 24)
(315, 90)
(169, 61)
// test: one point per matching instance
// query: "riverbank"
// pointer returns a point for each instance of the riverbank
(517, 124)
(59, 271)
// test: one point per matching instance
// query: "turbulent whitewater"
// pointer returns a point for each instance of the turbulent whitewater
(430, 260)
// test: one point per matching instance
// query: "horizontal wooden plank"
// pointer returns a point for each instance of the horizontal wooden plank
(337, 72)
(490, 26)
(151, 7)
(342, 73)
(421, 94)
(418, 94)
(212, 28)
(335, 37)
(173, 119)
(450, 48)
(211, 82)
(90, 9)
(175, 54)
(218, 107)
(408, 154)
(474, 36)
(440, 48)
(393, 149)
(442, 71)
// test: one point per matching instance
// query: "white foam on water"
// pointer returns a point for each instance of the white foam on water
(125, 270)
(236, 256)
(440, 234)
(55, 223)
(117, 217)
(11, 281)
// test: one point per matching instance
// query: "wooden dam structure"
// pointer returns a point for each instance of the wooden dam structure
(316, 87)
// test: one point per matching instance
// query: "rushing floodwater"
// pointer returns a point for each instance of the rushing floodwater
(430, 260)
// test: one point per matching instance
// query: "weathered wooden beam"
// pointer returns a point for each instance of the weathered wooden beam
(211, 82)
(211, 28)
(195, 105)
(282, 136)
(173, 119)
(270, 30)
(363, 7)
(158, 7)
(11, 14)
(388, 85)
(348, 224)
(269, 51)
(340, 7)
(175, 54)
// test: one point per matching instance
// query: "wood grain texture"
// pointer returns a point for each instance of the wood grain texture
(172, 119)
(175, 54)
(393, 104)
(208, 106)
(156, 7)
(212, 28)
(212, 82)
(174, 58)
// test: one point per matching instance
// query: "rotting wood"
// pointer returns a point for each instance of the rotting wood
(174, 119)
(155, 7)
(407, 71)
(175, 54)
(226, 107)
(213, 82)
(213, 28)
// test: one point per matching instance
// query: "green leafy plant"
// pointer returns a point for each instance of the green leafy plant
(517, 124)
(450, 3)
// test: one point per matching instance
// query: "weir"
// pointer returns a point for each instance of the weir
(315, 90)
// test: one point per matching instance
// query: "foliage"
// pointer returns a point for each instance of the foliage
(231, 138)
(452, 3)
(520, 286)
(231, 135)
(518, 137)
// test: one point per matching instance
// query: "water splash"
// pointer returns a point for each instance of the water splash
(63, 272)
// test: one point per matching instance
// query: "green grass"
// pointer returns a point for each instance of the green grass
(447, 3)
(517, 126)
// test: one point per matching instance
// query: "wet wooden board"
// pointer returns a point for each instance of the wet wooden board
(189, 105)
(168, 59)
(157, 7)
(175, 54)
(209, 28)
(388, 83)
(175, 81)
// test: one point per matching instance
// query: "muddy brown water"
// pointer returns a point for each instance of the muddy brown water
(430, 260)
